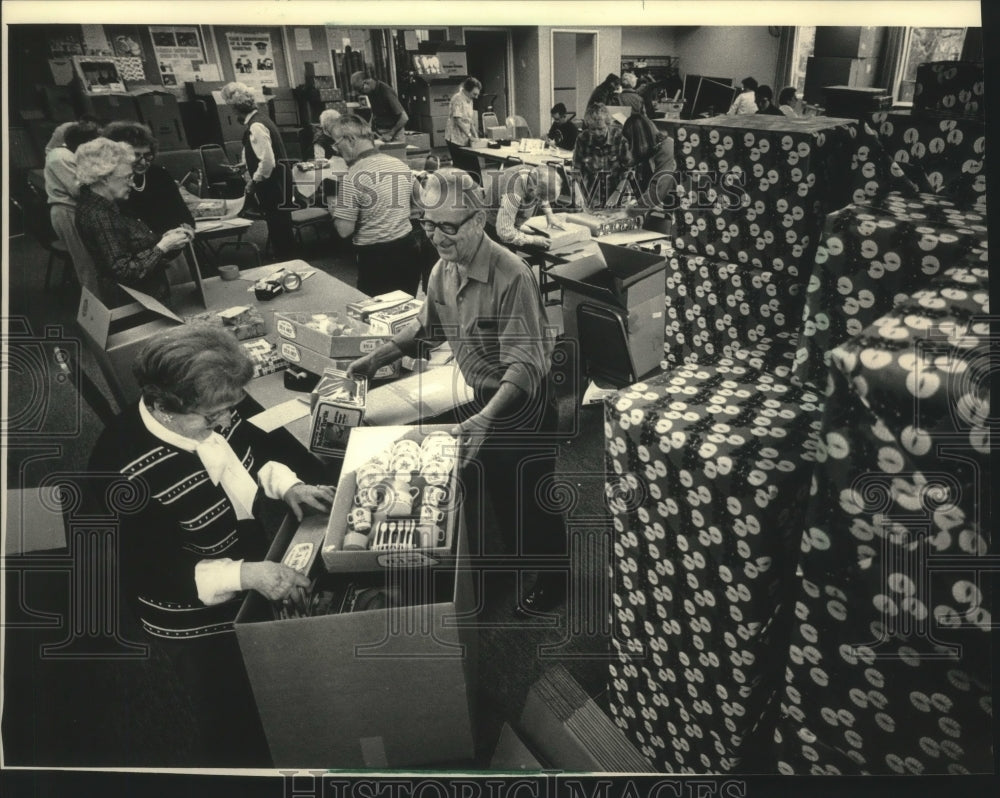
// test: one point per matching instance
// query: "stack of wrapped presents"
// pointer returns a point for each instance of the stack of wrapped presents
(816, 440)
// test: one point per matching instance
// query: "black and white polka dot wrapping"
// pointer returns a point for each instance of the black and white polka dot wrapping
(871, 258)
(708, 472)
(950, 89)
(753, 189)
(949, 153)
(719, 309)
(889, 668)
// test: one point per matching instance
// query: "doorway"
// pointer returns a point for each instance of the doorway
(574, 68)
(486, 51)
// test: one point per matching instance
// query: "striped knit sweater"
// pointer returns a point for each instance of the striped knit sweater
(170, 517)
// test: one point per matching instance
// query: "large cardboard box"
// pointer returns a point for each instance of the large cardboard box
(828, 71)
(160, 110)
(846, 42)
(116, 335)
(434, 127)
(627, 281)
(432, 95)
(453, 62)
(378, 688)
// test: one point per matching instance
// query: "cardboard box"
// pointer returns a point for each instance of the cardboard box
(310, 360)
(434, 127)
(432, 96)
(363, 444)
(624, 280)
(845, 42)
(381, 688)
(826, 71)
(265, 357)
(391, 321)
(353, 339)
(855, 101)
(117, 335)
(453, 62)
(338, 405)
(363, 308)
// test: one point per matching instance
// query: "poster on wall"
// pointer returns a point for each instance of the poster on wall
(252, 57)
(179, 54)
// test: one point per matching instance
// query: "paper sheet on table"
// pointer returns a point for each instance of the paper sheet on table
(280, 415)
(266, 271)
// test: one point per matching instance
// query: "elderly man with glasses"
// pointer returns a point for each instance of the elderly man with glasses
(483, 300)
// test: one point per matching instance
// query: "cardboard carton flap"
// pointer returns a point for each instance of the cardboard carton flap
(151, 304)
(631, 265)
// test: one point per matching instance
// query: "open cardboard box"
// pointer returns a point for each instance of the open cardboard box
(627, 281)
(357, 339)
(117, 335)
(365, 442)
(375, 688)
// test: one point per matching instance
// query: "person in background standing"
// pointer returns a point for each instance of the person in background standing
(373, 209)
(629, 96)
(388, 116)
(788, 101)
(606, 93)
(462, 128)
(270, 182)
(601, 156)
(62, 189)
(744, 102)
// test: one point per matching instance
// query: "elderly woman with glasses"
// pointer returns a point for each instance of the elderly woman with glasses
(125, 250)
(155, 197)
(184, 475)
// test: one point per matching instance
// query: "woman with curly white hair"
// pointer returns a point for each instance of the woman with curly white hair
(125, 250)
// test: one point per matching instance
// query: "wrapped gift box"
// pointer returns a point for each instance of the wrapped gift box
(717, 309)
(950, 89)
(708, 473)
(754, 188)
(944, 156)
(889, 666)
(871, 258)
(243, 321)
(338, 405)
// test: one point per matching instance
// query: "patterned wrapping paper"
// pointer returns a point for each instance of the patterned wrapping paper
(248, 324)
(708, 472)
(754, 189)
(889, 667)
(871, 258)
(264, 356)
(943, 156)
(950, 89)
(719, 309)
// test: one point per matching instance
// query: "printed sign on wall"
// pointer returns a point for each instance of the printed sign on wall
(252, 57)
(179, 54)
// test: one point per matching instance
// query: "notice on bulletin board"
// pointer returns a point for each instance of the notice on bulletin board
(252, 57)
(179, 54)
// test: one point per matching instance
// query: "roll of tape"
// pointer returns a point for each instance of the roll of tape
(291, 281)
(229, 272)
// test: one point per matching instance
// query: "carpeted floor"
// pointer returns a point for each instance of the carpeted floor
(62, 708)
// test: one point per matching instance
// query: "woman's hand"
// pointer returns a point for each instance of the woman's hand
(174, 239)
(273, 580)
(319, 497)
(554, 223)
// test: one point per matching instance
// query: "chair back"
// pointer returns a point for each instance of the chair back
(180, 163)
(220, 177)
(518, 125)
(34, 206)
(86, 387)
(490, 119)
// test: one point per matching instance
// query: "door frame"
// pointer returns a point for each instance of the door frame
(552, 46)
(508, 59)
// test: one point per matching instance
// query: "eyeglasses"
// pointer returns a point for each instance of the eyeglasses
(214, 419)
(127, 178)
(447, 228)
(145, 156)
